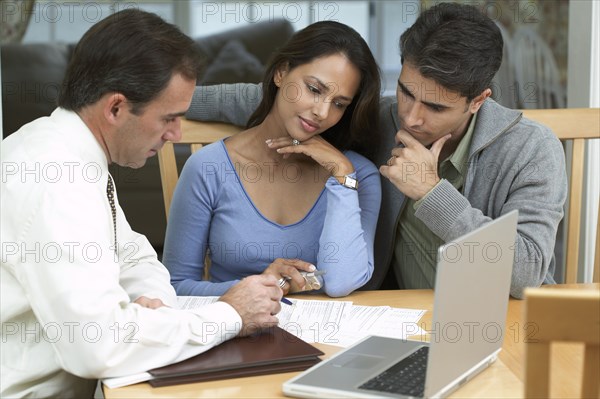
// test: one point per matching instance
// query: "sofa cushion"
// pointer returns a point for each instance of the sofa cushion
(31, 81)
(260, 39)
(233, 64)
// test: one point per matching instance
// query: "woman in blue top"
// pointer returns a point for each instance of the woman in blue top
(289, 193)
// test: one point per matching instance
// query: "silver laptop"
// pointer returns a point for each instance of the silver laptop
(469, 316)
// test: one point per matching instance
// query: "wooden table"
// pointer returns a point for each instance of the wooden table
(503, 379)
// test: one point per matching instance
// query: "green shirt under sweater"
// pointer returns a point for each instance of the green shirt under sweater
(415, 252)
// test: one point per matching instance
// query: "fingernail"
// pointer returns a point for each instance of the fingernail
(268, 141)
(278, 150)
(312, 268)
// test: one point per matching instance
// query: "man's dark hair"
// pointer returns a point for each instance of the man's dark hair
(131, 52)
(358, 129)
(455, 45)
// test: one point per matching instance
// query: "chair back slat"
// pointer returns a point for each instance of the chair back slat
(196, 135)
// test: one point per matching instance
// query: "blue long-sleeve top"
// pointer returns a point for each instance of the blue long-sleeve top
(211, 210)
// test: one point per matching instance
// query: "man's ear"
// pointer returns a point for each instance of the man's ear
(478, 101)
(114, 108)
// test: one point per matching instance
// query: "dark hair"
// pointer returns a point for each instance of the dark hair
(132, 52)
(455, 45)
(358, 127)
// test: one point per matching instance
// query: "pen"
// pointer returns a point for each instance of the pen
(281, 283)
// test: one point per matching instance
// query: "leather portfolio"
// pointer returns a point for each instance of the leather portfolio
(272, 351)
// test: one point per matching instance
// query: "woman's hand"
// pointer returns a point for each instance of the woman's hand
(289, 270)
(326, 155)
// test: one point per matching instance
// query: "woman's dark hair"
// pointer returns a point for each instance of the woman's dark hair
(455, 45)
(358, 128)
(132, 52)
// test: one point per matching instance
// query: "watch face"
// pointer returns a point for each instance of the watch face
(350, 182)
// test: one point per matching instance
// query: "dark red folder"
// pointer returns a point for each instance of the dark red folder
(272, 351)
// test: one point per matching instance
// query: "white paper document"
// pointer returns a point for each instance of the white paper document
(338, 323)
(361, 321)
(313, 320)
(193, 302)
(117, 382)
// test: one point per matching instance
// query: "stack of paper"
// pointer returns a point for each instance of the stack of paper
(338, 323)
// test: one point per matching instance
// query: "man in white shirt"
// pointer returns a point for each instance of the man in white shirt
(83, 296)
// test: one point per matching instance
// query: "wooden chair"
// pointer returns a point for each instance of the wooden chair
(576, 125)
(561, 315)
(195, 134)
(596, 278)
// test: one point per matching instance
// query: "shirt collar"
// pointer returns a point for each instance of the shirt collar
(459, 158)
(72, 126)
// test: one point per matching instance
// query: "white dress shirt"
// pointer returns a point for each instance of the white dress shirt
(66, 296)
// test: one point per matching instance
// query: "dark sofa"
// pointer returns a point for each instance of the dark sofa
(32, 74)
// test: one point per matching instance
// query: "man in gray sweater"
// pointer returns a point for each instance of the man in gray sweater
(452, 159)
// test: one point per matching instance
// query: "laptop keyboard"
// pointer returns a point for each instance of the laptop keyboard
(407, 377)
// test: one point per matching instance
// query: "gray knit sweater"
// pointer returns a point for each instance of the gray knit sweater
(514, 163)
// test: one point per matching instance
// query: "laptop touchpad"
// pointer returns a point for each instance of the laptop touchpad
(357, 361)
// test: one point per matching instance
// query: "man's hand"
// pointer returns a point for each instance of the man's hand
(149, 303)
(257, 300)
(413, 168)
